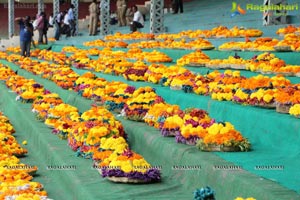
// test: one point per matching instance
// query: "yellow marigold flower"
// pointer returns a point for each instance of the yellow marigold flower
(267, 98)
(295, 110)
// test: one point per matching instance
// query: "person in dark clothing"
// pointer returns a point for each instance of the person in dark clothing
(58, 21)
(177, 5)
(45, 28)
(26, 32)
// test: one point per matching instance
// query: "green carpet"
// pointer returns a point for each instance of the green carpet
(165, 152)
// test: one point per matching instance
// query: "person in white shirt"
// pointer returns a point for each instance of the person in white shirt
(66, 29)
(72, 19)
(138, 19)
(51, 20)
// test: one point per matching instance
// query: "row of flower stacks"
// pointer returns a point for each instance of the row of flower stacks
(290, 42)
(216, 32)
(264, 63)
(15, 177)
(258, 90)
(94, 134)
(198, 43)
(138, 105)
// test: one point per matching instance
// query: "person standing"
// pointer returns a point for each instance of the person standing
(34, 25)
(177, 5)
(66, 27)
(51, 20)
(45, 29)
(138, 19)
(26, 31)
(123, 12)
(119, 6)
(58, 23)
(40, 27)
(93, 9)
(71, 20)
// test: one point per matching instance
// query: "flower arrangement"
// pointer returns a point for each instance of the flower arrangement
(155, 73)
(197, 58)
(59, 58)
(130, 167)
(137, 72)
(101, 43)
(286, 97)
(158, 113)
(130, 36)
(220, 31)
(3, 55)
(63, 125)
(5, 72)
(61, 110)
(15, 176)
(42, 104)
(194, 128)
(263, 97)
(259, 44)
(116, 101)
(171, 125)
(204, 193)
(97, 129)
(223, 137)
(287, 30)
(199, 43)
(156, 56)
(137, 106)
(85, 135)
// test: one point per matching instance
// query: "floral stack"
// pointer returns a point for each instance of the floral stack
(197, 58)
(195, 123)
(43, 103)
(179, 78)
(232, 62)
(129, 167)
(223, 137)
(260, 90)
(16, 177)
(137, 72)
(117, 100)
(204, 193)
(57, 112)
(286, 98)
(224, 84)
(142, 99)
(87, 83)
(158, 113)
(85, 136)
(155, 73)
(26, 89)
